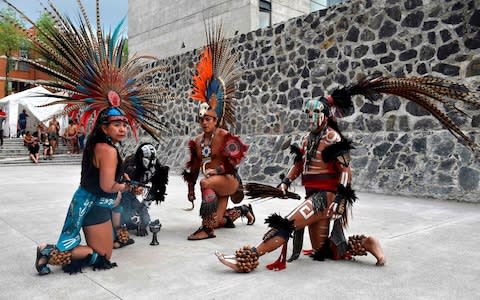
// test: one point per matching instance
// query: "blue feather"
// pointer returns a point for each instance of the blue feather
(216, 88)
(82, 89)
(113, 38)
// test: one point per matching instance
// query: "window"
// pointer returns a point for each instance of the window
(333, 2)
(12, 64)
(322, 4)
(23, 66)
(318, 4)
(24, 53)
(265, 16)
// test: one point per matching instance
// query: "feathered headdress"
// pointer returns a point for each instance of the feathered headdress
(214, 83)
(92, 73)
(428, 92)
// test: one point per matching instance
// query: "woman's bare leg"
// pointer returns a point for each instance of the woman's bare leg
(99, 237)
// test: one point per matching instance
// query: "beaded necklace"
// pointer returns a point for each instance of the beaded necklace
(206, 149)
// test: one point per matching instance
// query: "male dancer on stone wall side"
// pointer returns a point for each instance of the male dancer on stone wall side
(216, 152)
(323, 162)
(209, 154)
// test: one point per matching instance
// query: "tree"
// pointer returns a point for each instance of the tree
(10, 38)
(125, 51)
(44, 23)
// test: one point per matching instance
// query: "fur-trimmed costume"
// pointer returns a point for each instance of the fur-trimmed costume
(219, 157)
(216, 152)
(143, 168)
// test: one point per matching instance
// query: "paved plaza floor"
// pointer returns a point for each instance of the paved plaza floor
(432, 249)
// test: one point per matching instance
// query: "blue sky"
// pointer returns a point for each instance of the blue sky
(111, 11)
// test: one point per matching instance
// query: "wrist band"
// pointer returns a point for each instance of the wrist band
(287, 181)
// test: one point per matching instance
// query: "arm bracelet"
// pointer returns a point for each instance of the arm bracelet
(220, 169)
(287, 181)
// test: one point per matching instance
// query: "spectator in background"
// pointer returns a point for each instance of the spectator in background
(47, 149)
(22, 123)
(53, 131)
(42, 132)
(81, 136)
(33, 150)
(71, 137)
(3, 116)
(27, 139)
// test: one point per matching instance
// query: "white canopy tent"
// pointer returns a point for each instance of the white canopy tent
(30, 100)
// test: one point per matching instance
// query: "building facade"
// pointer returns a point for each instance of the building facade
(17, 76)
(165, 28)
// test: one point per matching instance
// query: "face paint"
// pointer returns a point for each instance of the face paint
(314, 110)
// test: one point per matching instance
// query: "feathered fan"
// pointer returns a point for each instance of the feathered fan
(258, 190)
(214, 83)
(91, 71)
(428, 92)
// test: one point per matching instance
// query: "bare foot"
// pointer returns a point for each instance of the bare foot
(373, 246)
(229, 261)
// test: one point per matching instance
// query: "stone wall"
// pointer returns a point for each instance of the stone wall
(400, 149)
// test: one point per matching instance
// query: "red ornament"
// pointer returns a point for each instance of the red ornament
(114, 98)
(234, 147)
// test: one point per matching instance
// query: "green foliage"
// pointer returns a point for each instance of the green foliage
(10, 38)
(125, 52)
(44, 24)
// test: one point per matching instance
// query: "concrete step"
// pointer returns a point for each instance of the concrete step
(25, 150)
(58, 159)
(14, 153)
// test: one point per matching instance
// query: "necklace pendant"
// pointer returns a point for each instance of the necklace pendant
(206, 152)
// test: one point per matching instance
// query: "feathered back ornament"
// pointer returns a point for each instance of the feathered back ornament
(214, 83)
(90, 70)
(428, 92)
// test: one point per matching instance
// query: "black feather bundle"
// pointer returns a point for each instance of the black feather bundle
(348, 193)
(278, 222)
(257, 190)
(294, 149)
(330, 153)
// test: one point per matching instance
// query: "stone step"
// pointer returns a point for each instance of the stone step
(59, 159)
(12, 153)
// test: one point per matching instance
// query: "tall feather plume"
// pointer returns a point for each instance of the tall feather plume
(216, 75)
(428, 92)
(87, 66)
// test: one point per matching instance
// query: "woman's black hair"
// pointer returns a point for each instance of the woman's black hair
(96, 136)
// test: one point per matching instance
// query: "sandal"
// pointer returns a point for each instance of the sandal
(121, 244)
(250, 210)
(43, 269)
(209, 233)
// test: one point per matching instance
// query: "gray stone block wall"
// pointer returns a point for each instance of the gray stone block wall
(400, 148)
